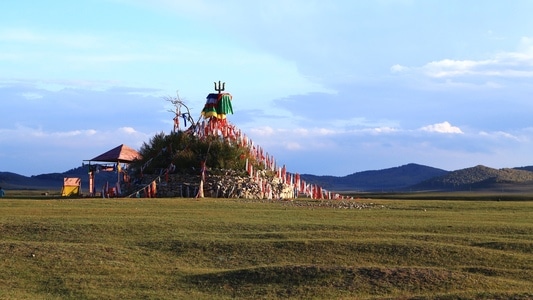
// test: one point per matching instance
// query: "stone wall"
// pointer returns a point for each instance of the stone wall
(222, 184)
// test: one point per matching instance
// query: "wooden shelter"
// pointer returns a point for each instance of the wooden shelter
(121, 154)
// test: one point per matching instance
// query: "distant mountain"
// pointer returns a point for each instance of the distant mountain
(479, 178)
(10, 180)
(410, 177)
(528, 168)
(392, 179)
(53, 181)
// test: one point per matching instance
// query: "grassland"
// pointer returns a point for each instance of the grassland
(53, 248)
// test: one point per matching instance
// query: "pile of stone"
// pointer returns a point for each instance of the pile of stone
(336, 204)
(220, 184)
(353, 204)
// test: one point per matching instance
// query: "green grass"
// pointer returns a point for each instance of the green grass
(224, 249)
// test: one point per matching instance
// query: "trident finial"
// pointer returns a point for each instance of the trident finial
(220, 87)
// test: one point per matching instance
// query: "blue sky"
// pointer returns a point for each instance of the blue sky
(326, 87)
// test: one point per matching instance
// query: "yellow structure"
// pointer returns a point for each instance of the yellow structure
(71, 187)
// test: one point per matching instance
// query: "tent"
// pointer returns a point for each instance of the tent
(117, 155)
(71, 187)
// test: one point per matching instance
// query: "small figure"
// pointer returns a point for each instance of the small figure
(2, 193)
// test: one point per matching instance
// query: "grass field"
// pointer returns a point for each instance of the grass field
(54, 248)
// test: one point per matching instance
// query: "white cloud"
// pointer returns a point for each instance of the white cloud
(263, 131)
(398, 68)
(267, 10)
(116, 58)
(182, 7)
(66, 134)
(384, 130)
(20, 35)
(499, 134)
(325, 131)
(444, 127)
(61, 149)
(510, 64)
(362, 122)
(30, 36)
(128, 130)
(526, 46)
(450, 68)
(302, 131)
(32, 96)
(293, 146)
(290, 133)
(374, 130)
(24, 133)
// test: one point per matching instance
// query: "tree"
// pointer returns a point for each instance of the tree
(177, 111)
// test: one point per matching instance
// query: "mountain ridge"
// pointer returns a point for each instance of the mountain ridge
(479, 177)
(52, 181)
(411, 177)
(374, 180)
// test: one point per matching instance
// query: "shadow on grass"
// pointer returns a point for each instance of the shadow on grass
(307, 280)
(56, 285)
(507, 246)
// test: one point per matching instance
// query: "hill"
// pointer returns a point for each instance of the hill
(528, 168)
(13, 181)
(53, 181)
(406, 178)
(391, 179)
(479, 178)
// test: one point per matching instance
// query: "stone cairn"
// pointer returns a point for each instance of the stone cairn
(269, 182)
(218, 184)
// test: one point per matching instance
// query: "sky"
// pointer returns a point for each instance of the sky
(326, 87)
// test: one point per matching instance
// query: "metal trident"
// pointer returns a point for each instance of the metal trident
(220, 87)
